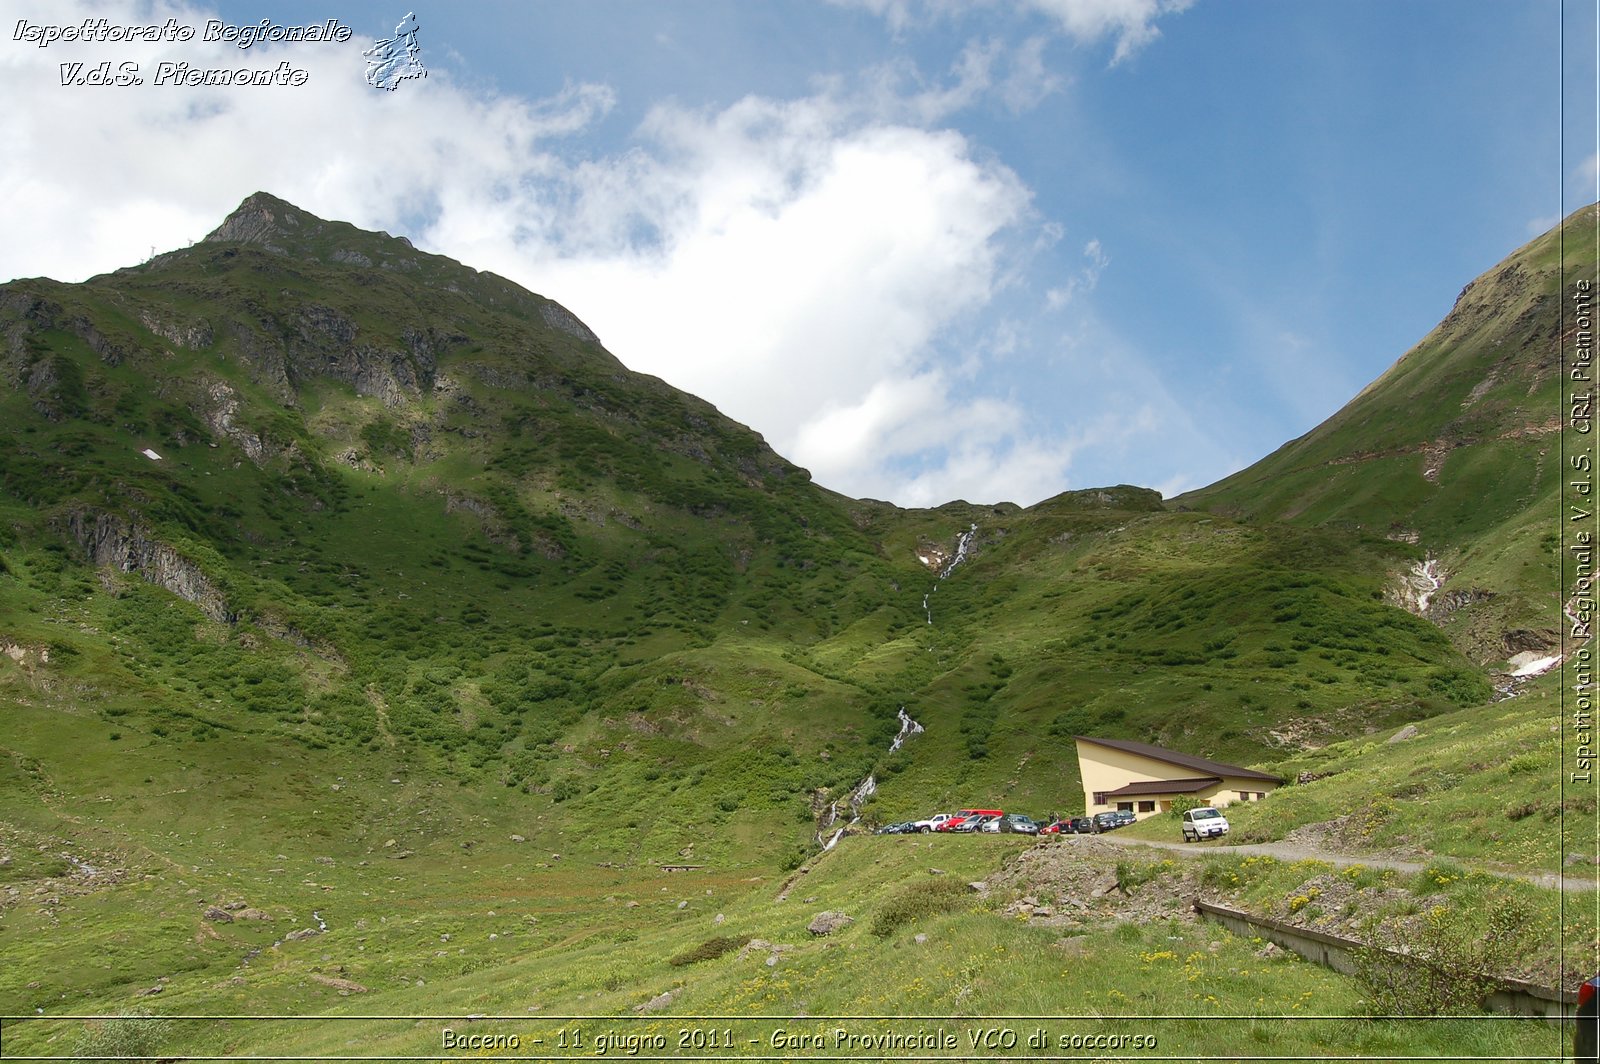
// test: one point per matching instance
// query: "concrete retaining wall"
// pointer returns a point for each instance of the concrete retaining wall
(1331, 951)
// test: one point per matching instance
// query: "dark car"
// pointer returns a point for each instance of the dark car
(1083, 825)
(1586, 1026)
(973, 824)
(1125, 817)
(1105, 822)
(908, 827)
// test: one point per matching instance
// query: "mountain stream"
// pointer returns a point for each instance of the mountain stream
(908, 727)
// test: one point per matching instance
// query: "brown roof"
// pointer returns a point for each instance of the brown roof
(1172, 757)
(1164, 787)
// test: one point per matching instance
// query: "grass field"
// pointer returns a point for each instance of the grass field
(436, 637)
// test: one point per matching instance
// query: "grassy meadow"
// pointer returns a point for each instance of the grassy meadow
(443, 667)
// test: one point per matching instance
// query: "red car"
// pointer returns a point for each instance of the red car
(962, 814)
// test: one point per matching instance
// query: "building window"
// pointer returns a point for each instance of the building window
(1260, 795)
(1147, 807)
(1099, 797)
(1244, 796)
(1125, 805)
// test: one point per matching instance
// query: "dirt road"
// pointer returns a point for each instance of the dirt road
(1292, 851)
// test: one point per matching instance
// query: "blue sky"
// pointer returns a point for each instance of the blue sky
(929, 249)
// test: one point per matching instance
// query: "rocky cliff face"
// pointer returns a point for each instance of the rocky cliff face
(117, 543)
(263, 219)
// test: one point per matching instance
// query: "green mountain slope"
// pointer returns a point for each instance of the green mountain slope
(426, 588)
(1455, 447)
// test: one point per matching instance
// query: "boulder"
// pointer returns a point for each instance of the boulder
(343, 985)
(660, 1001)
(826, 923)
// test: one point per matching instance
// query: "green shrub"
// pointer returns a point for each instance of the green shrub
(928, 898)
(1445, 961)
(709, 950)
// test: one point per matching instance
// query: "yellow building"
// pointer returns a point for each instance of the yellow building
(1119, 774)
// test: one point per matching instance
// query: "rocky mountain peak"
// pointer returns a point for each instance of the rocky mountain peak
(282, 228)
(263, 219)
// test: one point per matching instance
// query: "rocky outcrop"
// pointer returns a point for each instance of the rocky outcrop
(219, 412)
(495, 528)
(260, 219)
(119, 544)
(324, 345)
(559, 317)
(49, 383)
(191, 337)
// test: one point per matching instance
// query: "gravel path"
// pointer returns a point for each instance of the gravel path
(1290, 851)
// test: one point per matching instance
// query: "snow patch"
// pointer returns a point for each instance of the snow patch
(1529, 663)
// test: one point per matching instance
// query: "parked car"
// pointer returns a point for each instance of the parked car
(1586, 1024)
(974, 823)
(956, 820)
(1204, 823)
(1017, 824)
(1060, 827)
(936, 822)
(908, 827)
(1126, 817)
(1083, 825)
(1104, 822)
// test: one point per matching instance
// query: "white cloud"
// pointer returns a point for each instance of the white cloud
(1083, 280)
(94, 176)
(805, 264)
(1131, 24)
(1028, 82)
(1583, 184)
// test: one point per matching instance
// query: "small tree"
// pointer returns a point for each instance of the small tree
(1183, 803)
(1443, 963)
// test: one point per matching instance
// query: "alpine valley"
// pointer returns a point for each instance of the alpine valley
(378, 645)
